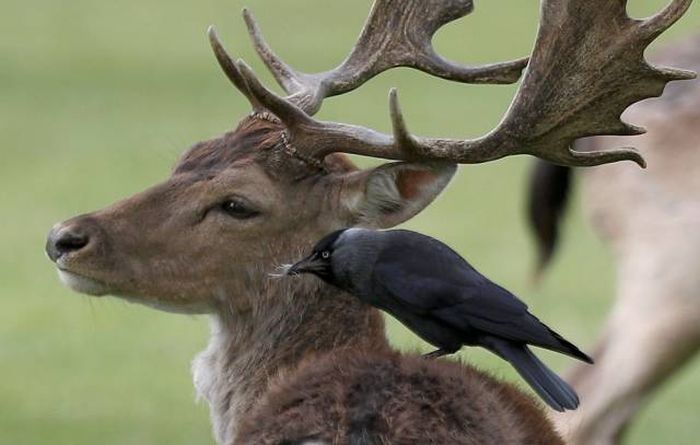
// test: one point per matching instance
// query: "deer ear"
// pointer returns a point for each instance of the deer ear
(393, 193)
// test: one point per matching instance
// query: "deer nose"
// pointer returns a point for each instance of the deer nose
(63, 240)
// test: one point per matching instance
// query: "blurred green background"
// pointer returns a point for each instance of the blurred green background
(98, 99)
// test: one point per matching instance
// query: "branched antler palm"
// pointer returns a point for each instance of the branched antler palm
(586, 68)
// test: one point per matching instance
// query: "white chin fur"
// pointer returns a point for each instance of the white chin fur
(85, 285)
(81, 284)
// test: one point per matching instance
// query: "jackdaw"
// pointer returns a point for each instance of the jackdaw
(438, 295)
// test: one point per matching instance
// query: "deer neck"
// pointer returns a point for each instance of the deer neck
(285, 324)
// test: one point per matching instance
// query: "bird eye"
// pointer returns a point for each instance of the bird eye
(325, 254)
(238, 209)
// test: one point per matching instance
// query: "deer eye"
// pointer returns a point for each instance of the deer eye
(238, 209)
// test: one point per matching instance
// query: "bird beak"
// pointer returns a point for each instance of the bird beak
(309, 264)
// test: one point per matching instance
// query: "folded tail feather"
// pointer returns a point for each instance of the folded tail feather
(549, 386)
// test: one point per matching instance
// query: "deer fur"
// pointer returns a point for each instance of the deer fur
(388, 398)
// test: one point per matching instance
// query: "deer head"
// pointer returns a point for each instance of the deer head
(233, 208)
(237, 205)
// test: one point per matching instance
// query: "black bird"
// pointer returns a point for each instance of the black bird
(438, 295)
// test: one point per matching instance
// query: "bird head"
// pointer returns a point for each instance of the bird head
(319, 262)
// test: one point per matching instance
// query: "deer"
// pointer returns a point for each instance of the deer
(649, 223)
(298, 361)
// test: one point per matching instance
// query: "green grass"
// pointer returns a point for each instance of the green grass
(97, 99)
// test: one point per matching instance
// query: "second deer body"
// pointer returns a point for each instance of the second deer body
(650, 220)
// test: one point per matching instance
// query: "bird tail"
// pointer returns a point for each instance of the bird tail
(549, 386)
(568, 348)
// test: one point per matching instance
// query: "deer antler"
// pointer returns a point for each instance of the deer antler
(586, 68)
(396, 33)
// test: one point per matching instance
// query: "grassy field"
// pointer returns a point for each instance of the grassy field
(97, 99)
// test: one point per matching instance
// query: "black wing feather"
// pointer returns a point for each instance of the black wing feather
(425, 276)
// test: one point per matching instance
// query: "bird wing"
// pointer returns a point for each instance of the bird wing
(494, 311)
(431, 280)
(422, 295)
(422, 274)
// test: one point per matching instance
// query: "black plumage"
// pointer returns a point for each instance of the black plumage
(443, 299)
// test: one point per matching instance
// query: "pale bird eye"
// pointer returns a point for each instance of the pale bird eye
(325, 254)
